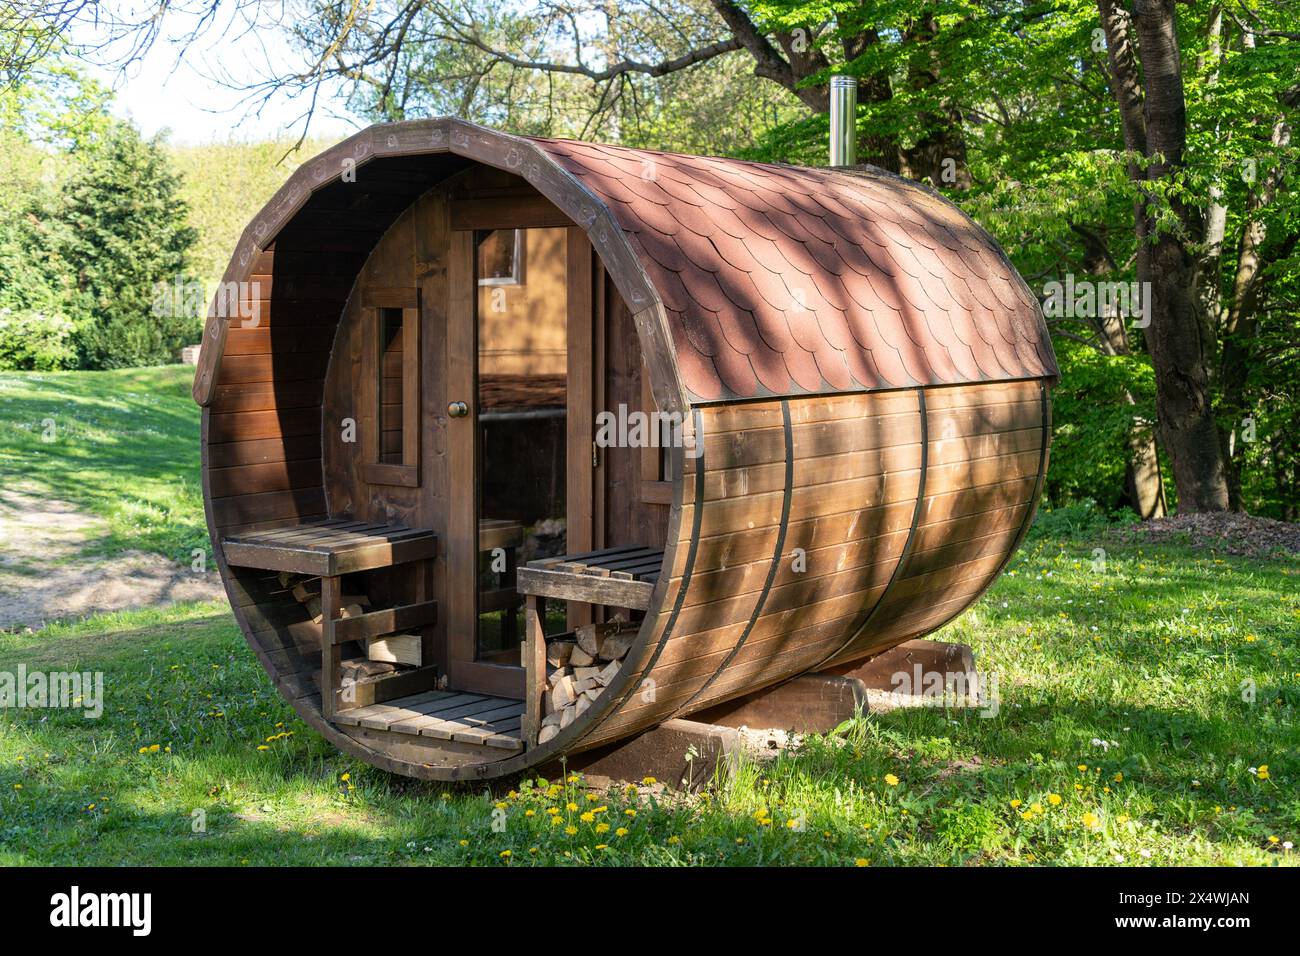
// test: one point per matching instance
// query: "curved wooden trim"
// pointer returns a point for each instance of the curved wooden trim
(1038, 488)
(777, 554)
(501, 150)
(907, 545)
(687, 571)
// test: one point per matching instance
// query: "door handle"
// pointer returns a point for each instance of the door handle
(457, 409)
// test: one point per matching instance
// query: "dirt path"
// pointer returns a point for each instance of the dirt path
(45, 577)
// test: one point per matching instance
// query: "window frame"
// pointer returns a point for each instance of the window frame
(518, 271)
(373, 470)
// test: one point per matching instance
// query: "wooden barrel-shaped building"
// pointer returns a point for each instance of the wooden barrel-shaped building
(430, 461)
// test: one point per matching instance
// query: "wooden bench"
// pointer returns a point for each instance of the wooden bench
(614, 577)
(328, 550)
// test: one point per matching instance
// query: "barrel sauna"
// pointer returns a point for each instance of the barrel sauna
(417, 337)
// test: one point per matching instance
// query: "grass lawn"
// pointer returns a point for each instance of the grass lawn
(123, 445)
(1147, 714)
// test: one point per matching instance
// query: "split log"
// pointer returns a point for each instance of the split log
(616, 646)
(559, 652)
(397, 649)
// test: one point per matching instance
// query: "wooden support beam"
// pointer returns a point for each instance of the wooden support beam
(331, 592)
(388, 621)
(808, 704)
(534, 656)
(878, 673)
(682, 753)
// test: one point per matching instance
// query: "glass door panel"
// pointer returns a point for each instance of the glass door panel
(521, 374)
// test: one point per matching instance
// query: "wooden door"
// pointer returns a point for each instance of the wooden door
(520, 346)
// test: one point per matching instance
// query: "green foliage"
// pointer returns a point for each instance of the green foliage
(1077, 520)
(35, 341)
(122, 231)
(224, 185)
(90, 225)
(1092, 420)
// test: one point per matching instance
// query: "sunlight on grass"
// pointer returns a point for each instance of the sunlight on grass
(1147, 716)
(123, 445)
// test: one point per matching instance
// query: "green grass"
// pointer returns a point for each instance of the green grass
(1149, 654)
(1185, 664)
(124, 446)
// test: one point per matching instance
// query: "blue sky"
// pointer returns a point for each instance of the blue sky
(190, 98)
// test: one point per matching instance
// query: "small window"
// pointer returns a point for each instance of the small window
(501, 255)
(392, 387)
(391, 408)
(656, 459)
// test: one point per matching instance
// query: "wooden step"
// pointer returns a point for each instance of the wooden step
(446, 715)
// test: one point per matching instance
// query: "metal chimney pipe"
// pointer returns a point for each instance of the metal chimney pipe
(844, 115)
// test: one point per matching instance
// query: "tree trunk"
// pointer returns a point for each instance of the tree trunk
(1176, 336)
(1143, 484)
(940, 154)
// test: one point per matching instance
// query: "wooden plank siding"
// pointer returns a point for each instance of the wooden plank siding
(902, 522)
(809, 532)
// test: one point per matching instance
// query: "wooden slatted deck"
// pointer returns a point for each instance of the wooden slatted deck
(445, 715)
(616, 577)
(330, 548)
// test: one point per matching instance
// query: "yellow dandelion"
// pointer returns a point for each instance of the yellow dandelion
(861, 861)
(571, 830)
(891, 780)
(1090, 820)
(602, 827)
(648, 781)
(621, 831)
(1054, 799)
(587, 817)
(629, 812)
(1015, 804)
(504, 854)
(673, 840)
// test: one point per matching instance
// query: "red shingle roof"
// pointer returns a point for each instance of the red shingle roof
(782, 280)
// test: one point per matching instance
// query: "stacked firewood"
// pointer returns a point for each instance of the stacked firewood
(579, 669)
(306, 591)
(384, 654)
